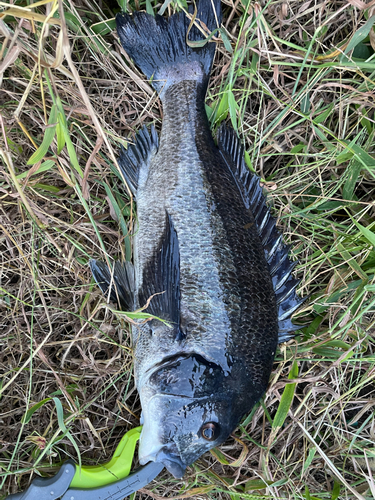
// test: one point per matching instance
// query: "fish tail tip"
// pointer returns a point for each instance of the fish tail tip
(158, 46)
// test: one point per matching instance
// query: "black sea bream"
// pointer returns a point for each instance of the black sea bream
(206, 239)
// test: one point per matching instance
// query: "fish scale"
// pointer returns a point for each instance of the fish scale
(206, 250)
(177, 184)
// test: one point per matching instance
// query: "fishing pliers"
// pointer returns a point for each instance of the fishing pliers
(110, 481)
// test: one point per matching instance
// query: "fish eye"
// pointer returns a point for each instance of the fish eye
(210, 431)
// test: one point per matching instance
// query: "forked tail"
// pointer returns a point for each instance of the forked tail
(158, 46)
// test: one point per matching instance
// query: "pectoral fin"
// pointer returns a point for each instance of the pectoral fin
(162, 276)
(120, 281)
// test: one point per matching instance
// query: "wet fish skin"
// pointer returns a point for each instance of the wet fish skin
(206, 239)
(225, 286)
(228, 309)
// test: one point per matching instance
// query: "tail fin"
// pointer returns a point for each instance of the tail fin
(158, 46)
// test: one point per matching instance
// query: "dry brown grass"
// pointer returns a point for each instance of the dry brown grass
(299, 106)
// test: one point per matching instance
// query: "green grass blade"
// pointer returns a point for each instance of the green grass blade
(286, 400)
(121, 220)
(359, 36)
(367, 233)
(69, 144)
(60, 138)
(44, 167)
(60, 419)
(49, 134)
(30, 412)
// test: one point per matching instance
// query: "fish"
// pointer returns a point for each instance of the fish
(208, 259)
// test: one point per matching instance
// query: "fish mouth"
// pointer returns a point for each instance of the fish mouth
(171, 461)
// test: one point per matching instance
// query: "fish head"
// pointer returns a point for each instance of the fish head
(188, 408)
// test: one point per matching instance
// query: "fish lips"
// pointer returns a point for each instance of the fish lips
(172, 463)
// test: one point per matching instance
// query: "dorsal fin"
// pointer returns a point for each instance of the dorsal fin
(162, 274)
(120, 279)
(275, 250)
(137, 155)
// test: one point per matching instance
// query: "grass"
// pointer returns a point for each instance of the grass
(296, 80)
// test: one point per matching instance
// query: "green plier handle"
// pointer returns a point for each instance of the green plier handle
(110, 481)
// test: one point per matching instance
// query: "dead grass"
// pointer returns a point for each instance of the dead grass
(306, 113)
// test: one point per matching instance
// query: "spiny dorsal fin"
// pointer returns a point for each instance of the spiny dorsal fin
(275, 250)
(162, 274)
(120, 279)
(137, 155)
